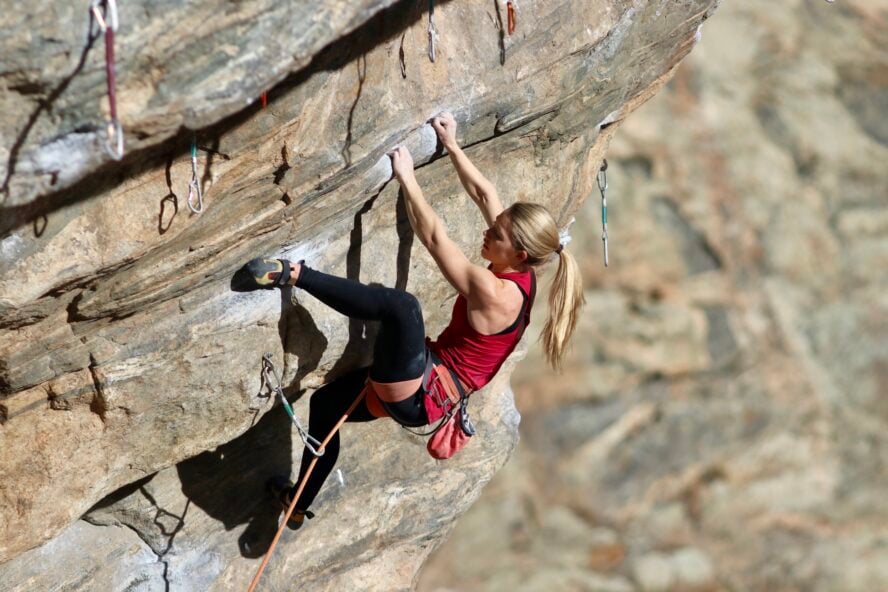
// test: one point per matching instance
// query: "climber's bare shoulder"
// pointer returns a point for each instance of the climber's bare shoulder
(472, 281)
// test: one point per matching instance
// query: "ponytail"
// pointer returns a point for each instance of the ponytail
(565, 302)
(534, 231)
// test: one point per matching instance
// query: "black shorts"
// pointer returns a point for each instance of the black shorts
(411, 411)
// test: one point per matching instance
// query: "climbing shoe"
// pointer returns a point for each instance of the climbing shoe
(261, 274)
(269, 273)
(280, 487)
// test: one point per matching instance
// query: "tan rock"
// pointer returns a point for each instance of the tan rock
(106, 275)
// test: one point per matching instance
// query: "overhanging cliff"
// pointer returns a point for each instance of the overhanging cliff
(124, 350)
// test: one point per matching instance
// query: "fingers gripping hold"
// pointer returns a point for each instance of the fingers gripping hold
(445, 127)
(402, 161)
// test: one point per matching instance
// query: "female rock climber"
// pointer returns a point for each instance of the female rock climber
(489, 316)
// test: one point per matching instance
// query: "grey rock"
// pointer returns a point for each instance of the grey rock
(654, 573)
(205, 61)
(693, 569)
(86, 557)
(125, 352)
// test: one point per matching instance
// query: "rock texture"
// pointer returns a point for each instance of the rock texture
(203, 62)
(127, 359)
(723, 424)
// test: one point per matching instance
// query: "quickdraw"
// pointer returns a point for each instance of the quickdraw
(194, 185)
(511, 10)
(108, 22)
(433, 32)
(269, 372)
(602, 187)
(277, 536)
(263, 98)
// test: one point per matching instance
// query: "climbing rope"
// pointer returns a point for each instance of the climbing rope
(194, 185)
(433, 32)
(302, 483)
(107, 22)
(602, 187)
(511, 8)
(268, 373)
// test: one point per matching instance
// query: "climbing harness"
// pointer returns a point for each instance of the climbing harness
(511, 8)
(433, 32)
(269, 372)
(107, 22)
(302, 483)
(602, 187)
(451, 396)
(194, 185)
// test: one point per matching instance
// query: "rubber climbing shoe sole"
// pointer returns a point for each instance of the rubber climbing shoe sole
(261, 274)
(279, 487)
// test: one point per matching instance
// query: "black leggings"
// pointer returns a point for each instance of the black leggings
(399, 351)
(398, 354)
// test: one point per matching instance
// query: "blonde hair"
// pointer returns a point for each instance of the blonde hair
(534, 231)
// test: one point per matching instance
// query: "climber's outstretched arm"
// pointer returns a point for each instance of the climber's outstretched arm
(477, 186)
(468, 279)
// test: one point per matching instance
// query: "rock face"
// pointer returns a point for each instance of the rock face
(723, 424)
(129, 368)
(203, 62)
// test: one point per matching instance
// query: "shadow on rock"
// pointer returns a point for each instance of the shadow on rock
(228, 483)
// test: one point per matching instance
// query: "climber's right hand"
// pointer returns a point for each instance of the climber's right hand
(445, 126)
(402, 162)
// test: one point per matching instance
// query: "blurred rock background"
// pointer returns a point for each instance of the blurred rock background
(722, 421)
(135, 431)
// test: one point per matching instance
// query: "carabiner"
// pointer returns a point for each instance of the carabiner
(194, 185)
(602, 176)
(114, 143)
(269, 371)
(602, 187)
(111, 12)
(433, 32)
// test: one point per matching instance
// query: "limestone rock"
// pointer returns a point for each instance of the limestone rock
(178, 66)
(124, 349)
(654, 573)
(68, 562)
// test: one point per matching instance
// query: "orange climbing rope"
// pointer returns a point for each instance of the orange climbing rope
(302, 482)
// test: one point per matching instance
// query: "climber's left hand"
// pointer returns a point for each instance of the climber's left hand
(402, 162)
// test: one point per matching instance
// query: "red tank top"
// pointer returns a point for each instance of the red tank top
(474, 357)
